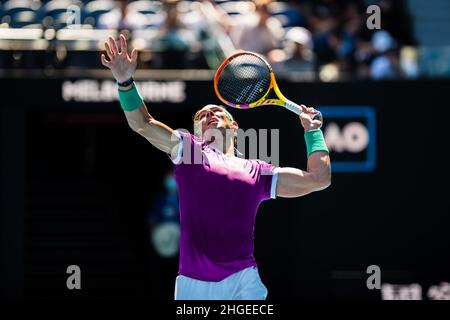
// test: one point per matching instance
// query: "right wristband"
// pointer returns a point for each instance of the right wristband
(315, 141)
(130, 100)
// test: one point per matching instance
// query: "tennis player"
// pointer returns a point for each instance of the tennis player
(219, 193)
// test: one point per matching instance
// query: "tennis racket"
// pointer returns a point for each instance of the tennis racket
(244, 81)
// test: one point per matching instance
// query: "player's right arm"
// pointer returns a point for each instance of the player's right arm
(123, 67)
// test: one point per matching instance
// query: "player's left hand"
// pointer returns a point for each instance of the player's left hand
(308, 119)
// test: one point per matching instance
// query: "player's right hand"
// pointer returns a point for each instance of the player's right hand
(121, 64)
(309, 122)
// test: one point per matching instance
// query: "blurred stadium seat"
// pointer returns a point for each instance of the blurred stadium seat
(23, 18)
(54, 14)
(94, 9)
(145, 7)
(19, 13)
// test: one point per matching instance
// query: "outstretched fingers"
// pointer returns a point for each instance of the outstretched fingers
(123, 45)
(109, 51)
(105, 62)
(134, 54)
(113, 45)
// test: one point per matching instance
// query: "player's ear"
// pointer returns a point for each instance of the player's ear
(235, 125)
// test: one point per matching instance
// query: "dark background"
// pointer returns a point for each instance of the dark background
(77, 183)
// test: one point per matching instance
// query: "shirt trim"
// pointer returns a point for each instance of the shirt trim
(273, 188)
(179, 157)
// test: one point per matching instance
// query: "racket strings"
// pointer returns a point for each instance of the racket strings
(244, 80)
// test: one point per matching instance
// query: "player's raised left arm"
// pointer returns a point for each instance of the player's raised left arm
(293, 182)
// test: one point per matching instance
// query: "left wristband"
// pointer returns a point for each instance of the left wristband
(131, 99)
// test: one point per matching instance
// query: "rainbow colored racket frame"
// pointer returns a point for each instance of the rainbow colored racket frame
(262, 101)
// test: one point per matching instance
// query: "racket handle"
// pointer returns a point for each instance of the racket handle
(292, 106)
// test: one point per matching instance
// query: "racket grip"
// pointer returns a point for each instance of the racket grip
(292, 106)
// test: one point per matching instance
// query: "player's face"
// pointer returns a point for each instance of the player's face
(212, 117)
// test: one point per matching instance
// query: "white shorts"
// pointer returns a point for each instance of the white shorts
(243, 285)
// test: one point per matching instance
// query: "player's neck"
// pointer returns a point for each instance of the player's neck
(230, 149)
(227, 149)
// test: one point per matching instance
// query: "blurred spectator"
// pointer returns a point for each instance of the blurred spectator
(262, 32)
(200, 33)
(335, 29)
(290, 13)
(120, 19)
(409, 62)
(173, 32)
(386, 64)
(297, 55)
(175, 38)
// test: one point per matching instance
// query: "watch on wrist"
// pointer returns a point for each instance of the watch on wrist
(125, 83)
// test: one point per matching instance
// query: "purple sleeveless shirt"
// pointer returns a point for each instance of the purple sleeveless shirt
(218, 198)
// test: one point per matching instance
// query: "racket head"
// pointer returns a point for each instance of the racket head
(243, 79)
